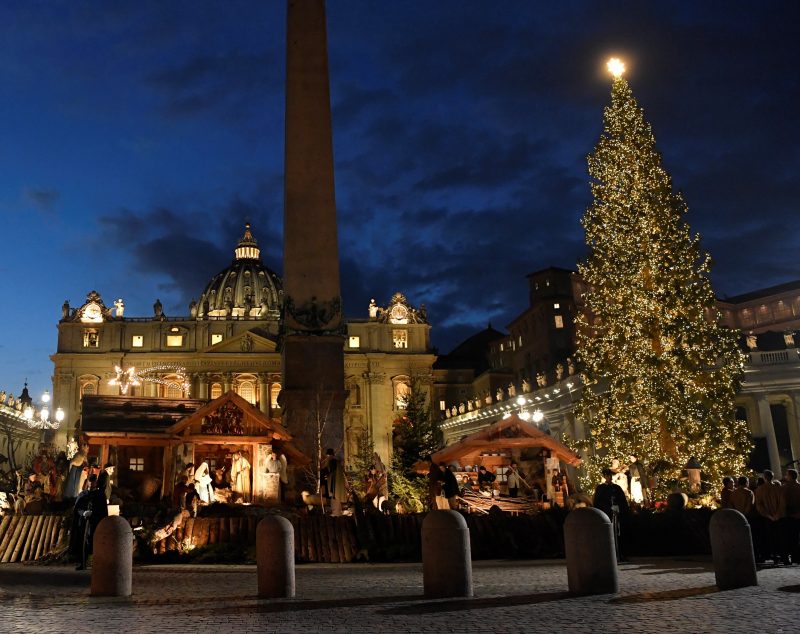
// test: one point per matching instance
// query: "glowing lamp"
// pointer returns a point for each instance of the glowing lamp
(59, 414)
(616, 67)
(28, 412)
(538, 416)
(520, 400)
(46, 397)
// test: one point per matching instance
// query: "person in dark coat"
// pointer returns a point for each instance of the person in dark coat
(449, 486)
(485, 478)
(90, 508)
(610, 498)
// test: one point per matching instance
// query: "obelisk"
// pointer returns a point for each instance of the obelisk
(313, 391)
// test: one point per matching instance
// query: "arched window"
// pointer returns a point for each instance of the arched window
(274, 390)
(402, 390)
(215, 391)
(247, 391)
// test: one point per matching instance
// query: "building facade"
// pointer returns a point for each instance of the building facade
(231, 340)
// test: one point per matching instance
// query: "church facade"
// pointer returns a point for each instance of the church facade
(230, 341)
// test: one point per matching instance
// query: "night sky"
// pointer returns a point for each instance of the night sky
(136, 138)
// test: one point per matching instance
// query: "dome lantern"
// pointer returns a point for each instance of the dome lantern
(247, 249)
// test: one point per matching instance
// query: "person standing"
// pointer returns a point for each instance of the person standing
(90, 509)
(725, 493)
(770, 508)
(240, 476)
(485, 479)
(741, 498)
(791, 522)
(514, 478)
(611, 499)
(333, 480)
(434, 483)
(449, 486)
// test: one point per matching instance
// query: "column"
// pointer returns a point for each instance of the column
(227, 382)
(202, 385)
(794, 426)
(263, 392)
(768, 429)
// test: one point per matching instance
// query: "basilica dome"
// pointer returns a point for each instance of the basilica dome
(246, 288)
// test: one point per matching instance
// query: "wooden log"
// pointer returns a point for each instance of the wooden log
(313, 539)
(342, 540)
(40, 539)
(13, 540)
(352, 533)
(52, 533)
(26, 525)
(332, 540)
(62, 536)
(36, 525)
(323, 555)
(233, 522)
(224, 530)
(326, 538)
(178, 534)
(3, 526)
(301, 536)
(44, 537)
(9, 531)
(213, 530)
(188, 530)
(252, 522)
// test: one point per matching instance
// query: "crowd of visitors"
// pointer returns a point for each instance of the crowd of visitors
(772, 508)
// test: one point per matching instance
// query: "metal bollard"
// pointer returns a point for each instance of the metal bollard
(112, 565)
(591, 557)
(732, 550)
(275, 558)
(446, 557)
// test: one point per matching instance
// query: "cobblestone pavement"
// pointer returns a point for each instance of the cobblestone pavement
(657, 595)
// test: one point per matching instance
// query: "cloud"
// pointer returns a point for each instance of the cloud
(43, 198)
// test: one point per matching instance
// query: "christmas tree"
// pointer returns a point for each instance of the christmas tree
(660, 371)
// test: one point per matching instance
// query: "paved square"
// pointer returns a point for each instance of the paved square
(657, 595)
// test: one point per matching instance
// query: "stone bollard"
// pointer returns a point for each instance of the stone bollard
(732, 550)
(446, 557)
(112, 564)
(275, 558)
(591, 556)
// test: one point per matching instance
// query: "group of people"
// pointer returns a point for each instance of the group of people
(441, 483)
(773, 510)
(198, 486)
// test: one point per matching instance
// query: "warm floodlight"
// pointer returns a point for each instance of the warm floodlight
(538, 416)
(616, 67)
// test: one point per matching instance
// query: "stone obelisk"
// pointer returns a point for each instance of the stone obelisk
(313, 391)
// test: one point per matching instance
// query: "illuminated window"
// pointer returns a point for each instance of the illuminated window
(401, 393)
(88, 388)
(556, 306)
(501, 347)
(274, 390)
(173, 391)
(137, 464)
(400, 338)
(137, 341)
(355, 342)
(501, 474)
(442, 405)
(215, 391)
(520, 341)
(91, 339)
(174, 341)
(559, 321)
(247, 391)
(216, 338)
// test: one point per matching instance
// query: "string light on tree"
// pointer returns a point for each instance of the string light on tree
(660, 372)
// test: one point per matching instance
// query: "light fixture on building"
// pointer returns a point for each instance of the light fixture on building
(538, 416)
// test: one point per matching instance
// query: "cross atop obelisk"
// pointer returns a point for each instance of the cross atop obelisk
(313, 362)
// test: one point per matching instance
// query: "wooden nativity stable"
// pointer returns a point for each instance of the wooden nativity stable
(495, 446)
(151, 440)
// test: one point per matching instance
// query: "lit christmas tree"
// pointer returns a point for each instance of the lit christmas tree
(660, 371)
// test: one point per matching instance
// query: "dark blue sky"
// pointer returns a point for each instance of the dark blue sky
(137, 137)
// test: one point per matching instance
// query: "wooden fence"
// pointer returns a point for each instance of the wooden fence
(28, 537)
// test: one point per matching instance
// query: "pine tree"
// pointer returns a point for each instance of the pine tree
(416, 433)
(660, 371)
